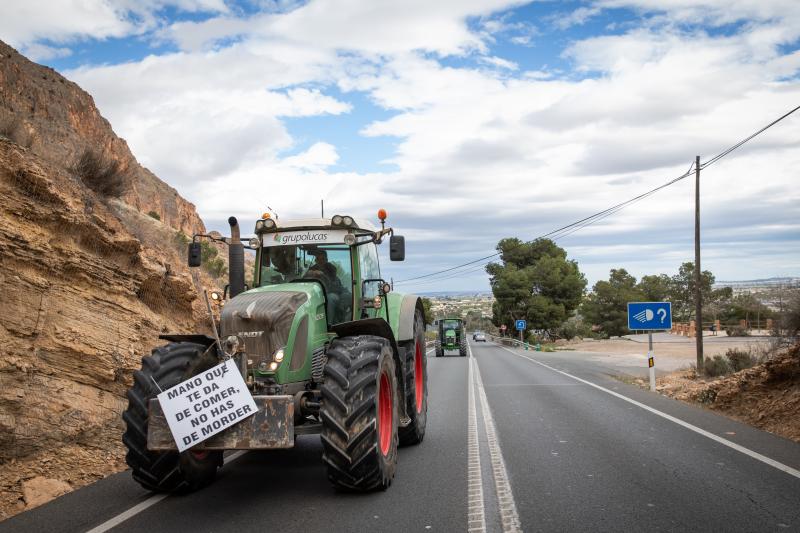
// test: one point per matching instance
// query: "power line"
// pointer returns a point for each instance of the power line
(555, 233)
(600, 215)
(746, 139)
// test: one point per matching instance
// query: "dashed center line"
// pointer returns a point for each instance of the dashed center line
(476, 519)
(509, 518)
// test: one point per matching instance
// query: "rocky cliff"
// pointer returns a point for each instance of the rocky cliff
(59, 122)
(87, 283)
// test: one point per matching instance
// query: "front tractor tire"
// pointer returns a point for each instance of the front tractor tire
(168, 471)
(416, 386)
(360, 413)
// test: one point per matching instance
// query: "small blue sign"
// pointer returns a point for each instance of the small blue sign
(649, 315)
(520, 325)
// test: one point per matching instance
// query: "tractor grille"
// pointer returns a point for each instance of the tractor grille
(262, 319)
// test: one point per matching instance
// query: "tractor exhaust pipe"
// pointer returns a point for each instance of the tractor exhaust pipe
(235, 260)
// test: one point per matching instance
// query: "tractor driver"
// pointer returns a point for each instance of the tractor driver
(281, 270)
(324, 271)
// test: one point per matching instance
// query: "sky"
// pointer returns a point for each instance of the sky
(468, 121)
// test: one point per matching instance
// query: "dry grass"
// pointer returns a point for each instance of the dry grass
(101, 174)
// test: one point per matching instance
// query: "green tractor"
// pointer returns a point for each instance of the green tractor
(452, 336)
(321, 341)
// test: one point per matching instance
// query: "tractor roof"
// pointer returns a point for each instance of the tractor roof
(320, 223)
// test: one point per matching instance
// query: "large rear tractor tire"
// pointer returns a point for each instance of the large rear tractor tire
(462, 349)
(168, 471)
(360, 413)
(439, 350)
(416, 386)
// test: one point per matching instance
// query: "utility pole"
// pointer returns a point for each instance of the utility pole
(698, 299)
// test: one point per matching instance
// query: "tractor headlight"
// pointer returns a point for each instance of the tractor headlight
(269, 224)
(350, 239)
(232, 345)
(254, 242)
(336, 220)
(259, 225)
(347, 221)
(278, 357)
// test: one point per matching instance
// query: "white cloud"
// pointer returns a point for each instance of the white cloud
(41, 52)
(482, 152)
(25, 22)
(577, 17)
(499, 62)
(316, 158)
(376, 27)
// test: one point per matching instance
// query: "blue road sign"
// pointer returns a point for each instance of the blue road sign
(649, 315)
(520, 325)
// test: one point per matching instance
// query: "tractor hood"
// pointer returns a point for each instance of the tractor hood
(263, 319)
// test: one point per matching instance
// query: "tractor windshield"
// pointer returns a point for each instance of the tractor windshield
(451, 324)
(329, 263)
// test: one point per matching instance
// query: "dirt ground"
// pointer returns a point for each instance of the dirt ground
(675, 353)
(683, 349)
(766, 396)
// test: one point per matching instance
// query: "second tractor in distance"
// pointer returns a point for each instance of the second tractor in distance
(452, 336)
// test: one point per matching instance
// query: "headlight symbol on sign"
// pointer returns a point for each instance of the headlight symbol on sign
(644, 316)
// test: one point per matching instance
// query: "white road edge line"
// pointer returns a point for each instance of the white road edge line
(739, 448)
(149, 502)
(476, 519)
(509, 517)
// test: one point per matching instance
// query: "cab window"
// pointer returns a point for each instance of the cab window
(370, 268)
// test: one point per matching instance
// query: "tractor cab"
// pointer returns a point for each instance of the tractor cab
(339, 254)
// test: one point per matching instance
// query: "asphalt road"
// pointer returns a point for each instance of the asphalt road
(541, 442)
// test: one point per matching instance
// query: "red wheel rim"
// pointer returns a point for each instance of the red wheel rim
(385, 409)
(418, 383)
(200, 455)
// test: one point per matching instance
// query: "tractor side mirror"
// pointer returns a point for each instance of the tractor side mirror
(195, 254)
(397, 248)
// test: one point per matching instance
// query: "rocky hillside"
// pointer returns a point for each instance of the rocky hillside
(58, 121)
(88, 281)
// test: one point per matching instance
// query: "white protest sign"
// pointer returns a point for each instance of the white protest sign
(206, 404)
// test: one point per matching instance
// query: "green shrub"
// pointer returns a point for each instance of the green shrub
(211, 263)
(154, 215)
(573, 327)
(739, 359)
(716, 366)
(707, 396)
(181, 241)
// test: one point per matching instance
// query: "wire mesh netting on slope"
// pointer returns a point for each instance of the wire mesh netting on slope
(88, 282)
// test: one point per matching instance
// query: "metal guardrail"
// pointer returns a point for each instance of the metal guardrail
(509, 341)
